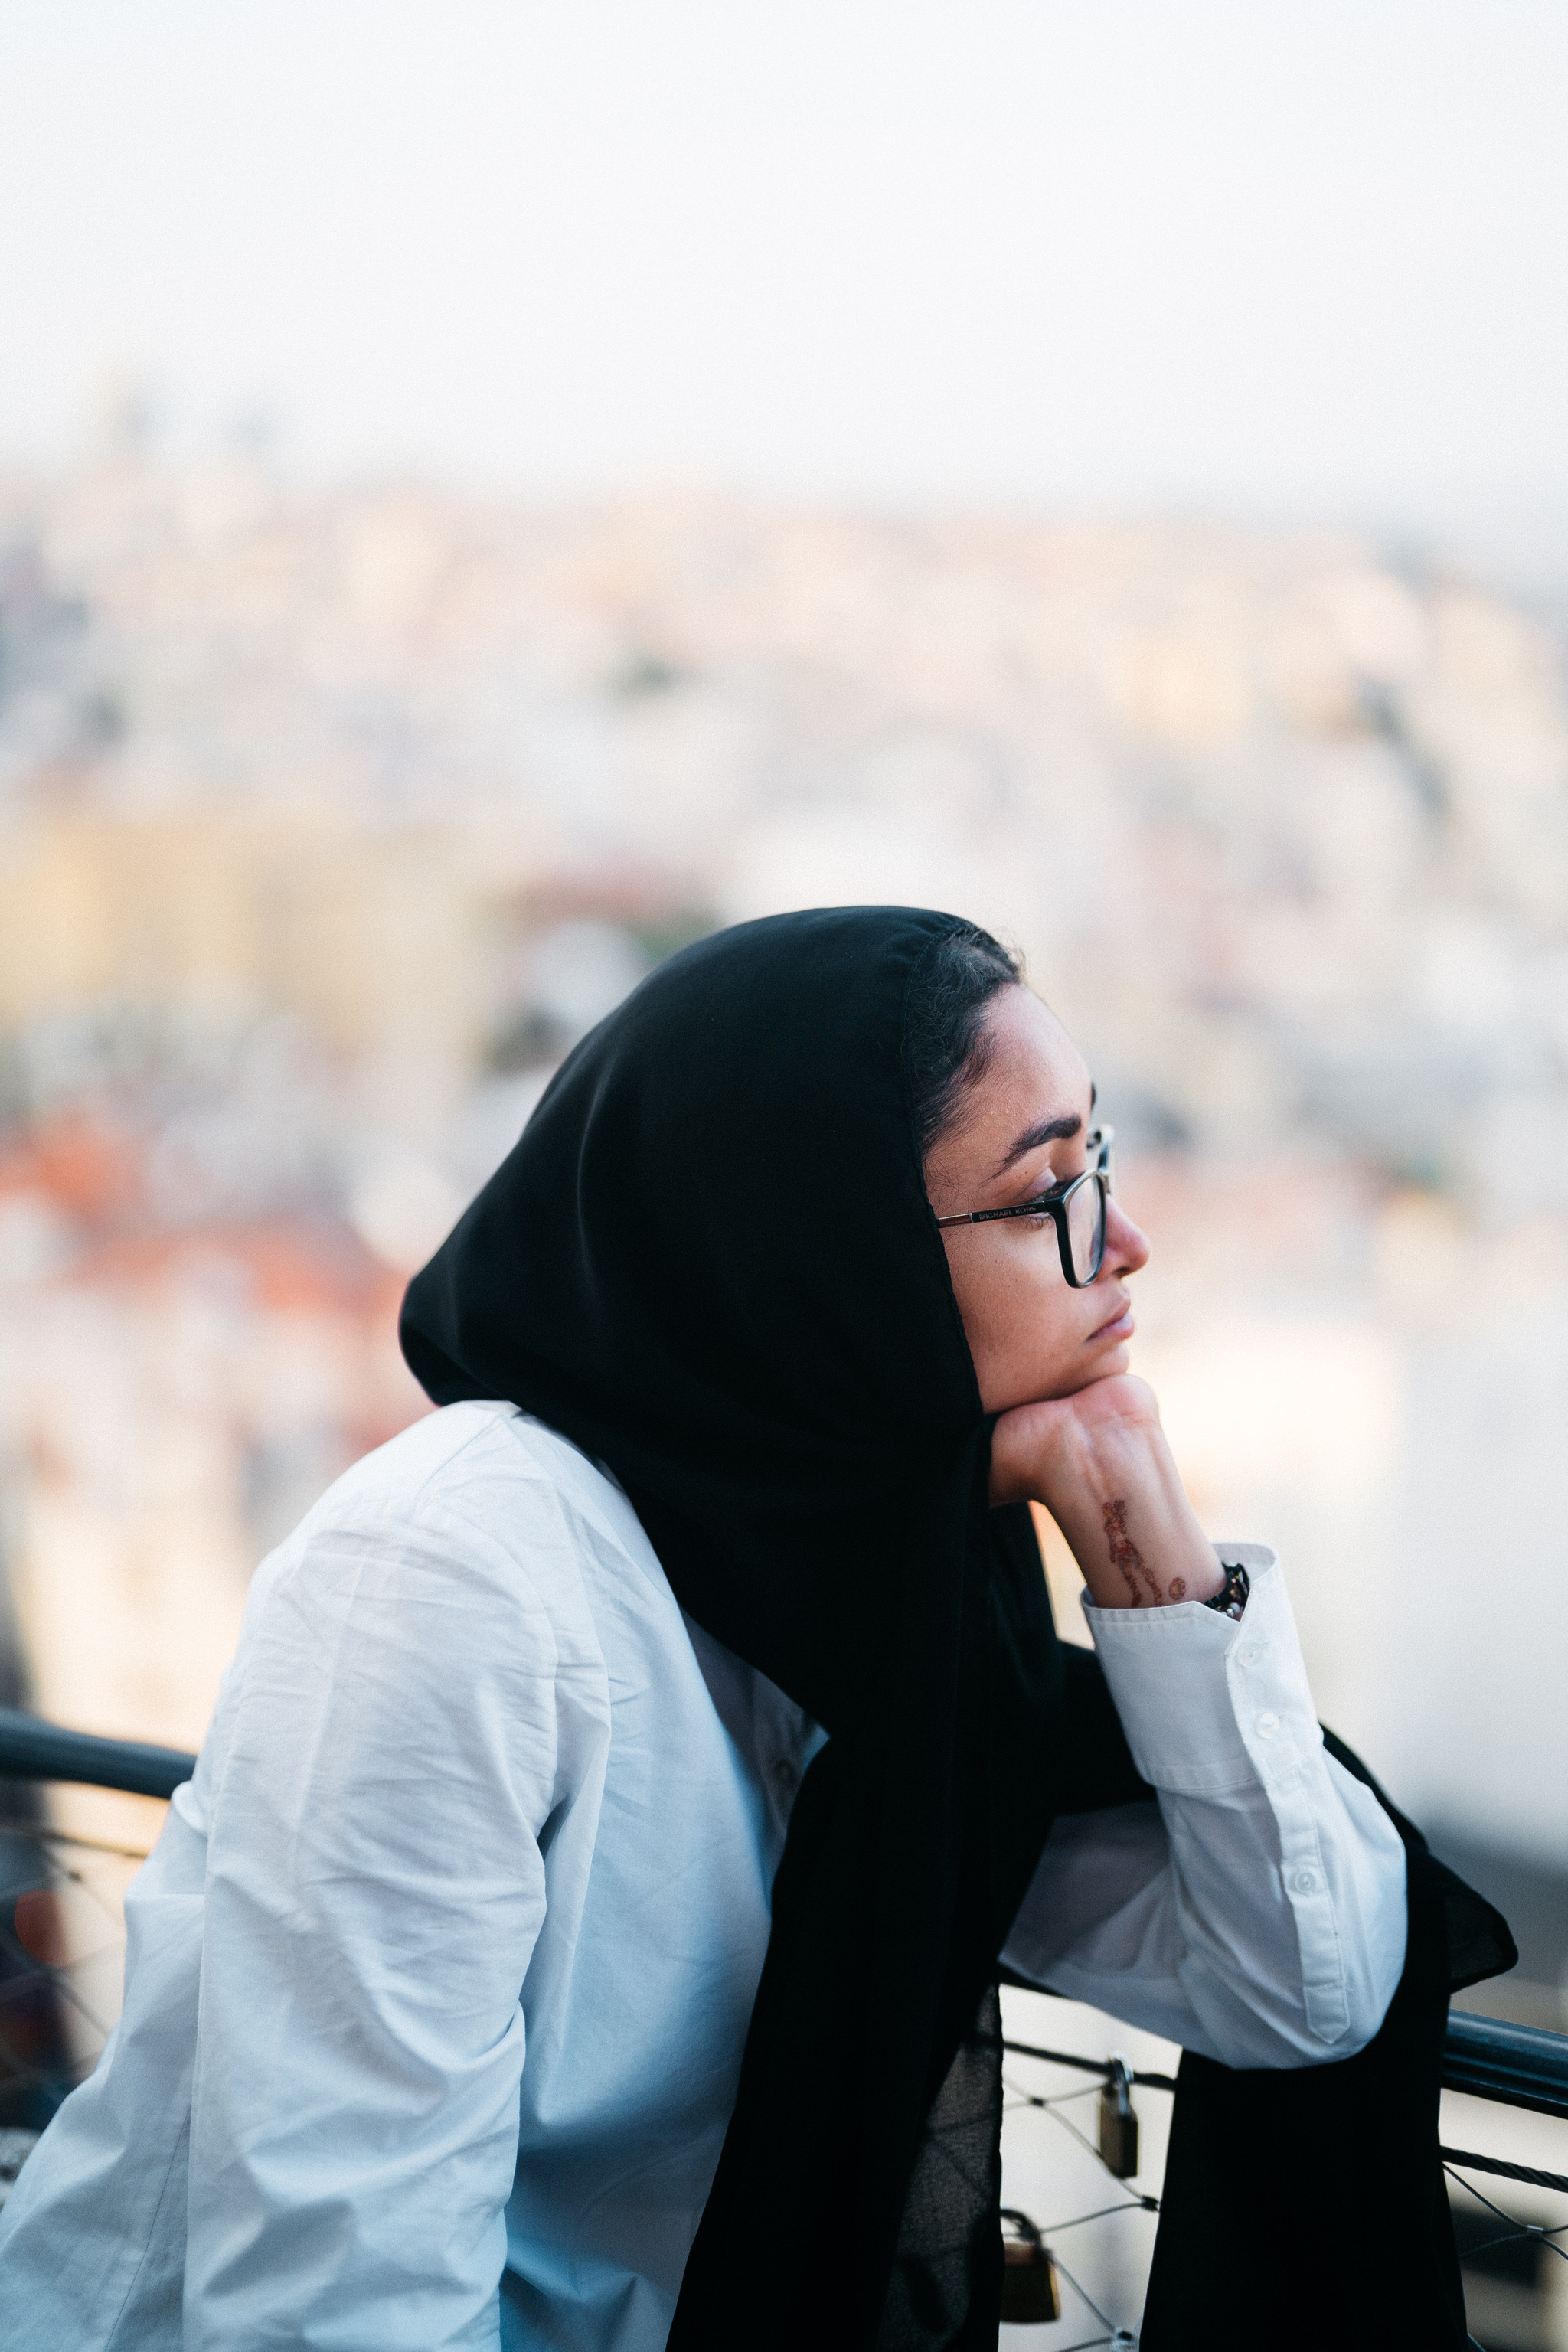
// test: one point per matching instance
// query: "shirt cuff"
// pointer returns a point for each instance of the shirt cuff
(1208, 1702)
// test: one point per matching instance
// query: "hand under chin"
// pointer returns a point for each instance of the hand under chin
(1057, 1441)
(1098, 1460)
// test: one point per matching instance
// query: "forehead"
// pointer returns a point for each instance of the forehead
(1035, 1073)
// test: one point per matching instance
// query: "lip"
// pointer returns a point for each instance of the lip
(1120, 1326)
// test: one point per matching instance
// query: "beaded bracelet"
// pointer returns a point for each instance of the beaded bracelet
(1231, 1598)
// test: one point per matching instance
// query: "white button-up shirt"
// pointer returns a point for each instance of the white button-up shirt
(438, 1981)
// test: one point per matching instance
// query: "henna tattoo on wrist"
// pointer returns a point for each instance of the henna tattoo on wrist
(1126, 1556)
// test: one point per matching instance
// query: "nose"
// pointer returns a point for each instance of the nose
(1126, 1245)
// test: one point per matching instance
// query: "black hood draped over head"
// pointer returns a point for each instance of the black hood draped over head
(711, 1262)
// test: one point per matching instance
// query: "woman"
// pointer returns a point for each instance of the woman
(584, 1925)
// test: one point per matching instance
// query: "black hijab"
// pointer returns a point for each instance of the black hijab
(711, 1262)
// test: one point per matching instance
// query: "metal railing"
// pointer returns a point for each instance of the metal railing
(32, 1750)
(62, 1933)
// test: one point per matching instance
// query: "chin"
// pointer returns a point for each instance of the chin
(1091, 1364)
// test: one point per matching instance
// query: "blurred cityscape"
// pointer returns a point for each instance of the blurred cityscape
(329, 819)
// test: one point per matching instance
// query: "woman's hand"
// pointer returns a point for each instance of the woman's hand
(1098, 1462)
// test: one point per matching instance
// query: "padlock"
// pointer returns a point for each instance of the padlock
(1118, 2122)
(1030, 2295)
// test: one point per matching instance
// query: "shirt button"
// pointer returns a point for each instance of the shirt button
(785, 1778)
(1249, 1656)
(1267, 1726)
(1305, 1881)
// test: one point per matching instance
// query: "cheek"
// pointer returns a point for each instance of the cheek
(1021, 1323)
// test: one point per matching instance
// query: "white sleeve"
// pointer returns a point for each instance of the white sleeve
(374, 1891)
(1257, 1916)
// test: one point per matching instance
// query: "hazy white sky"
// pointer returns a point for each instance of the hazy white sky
(1300, 255)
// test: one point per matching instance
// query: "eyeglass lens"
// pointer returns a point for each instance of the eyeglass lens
(1086, 1229)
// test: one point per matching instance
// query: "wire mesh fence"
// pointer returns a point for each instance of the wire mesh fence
(1087, 2100)
(1083, 2163)
(62, 1960)
(1084, 2116)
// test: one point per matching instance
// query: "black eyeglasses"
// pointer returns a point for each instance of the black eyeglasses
(1076, 1207)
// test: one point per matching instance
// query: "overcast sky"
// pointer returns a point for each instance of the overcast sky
(1287, 255)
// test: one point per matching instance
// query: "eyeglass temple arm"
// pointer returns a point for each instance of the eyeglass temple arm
(1101, 1137)
(990, 1217)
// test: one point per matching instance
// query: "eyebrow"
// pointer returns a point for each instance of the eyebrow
(1046, 1130)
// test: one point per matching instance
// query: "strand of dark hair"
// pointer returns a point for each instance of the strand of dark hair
(945, 1048)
